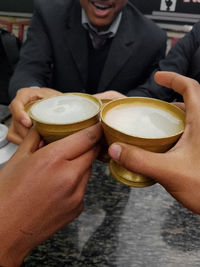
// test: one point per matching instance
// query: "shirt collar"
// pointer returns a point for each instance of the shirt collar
(112, 29)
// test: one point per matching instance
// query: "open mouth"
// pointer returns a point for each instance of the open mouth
(101, 6)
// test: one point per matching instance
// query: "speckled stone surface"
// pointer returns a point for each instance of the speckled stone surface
(122, 226)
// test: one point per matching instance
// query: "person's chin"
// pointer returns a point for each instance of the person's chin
(101, 24)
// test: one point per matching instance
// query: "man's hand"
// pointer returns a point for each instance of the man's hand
(21, 122)
(42, 190)
(110, 95)
(178, 170)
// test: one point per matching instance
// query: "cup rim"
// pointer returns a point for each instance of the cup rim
(145, 99)
(91, 97)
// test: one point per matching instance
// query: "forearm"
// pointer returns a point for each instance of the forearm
(12, 250)
(14, 240)
(9, 259)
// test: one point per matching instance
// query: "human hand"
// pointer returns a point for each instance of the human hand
(178, 170)
(21, 122)
(42, 190)
(110, 95)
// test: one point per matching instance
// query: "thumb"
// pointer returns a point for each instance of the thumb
(141, 161)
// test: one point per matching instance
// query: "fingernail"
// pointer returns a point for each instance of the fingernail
(115, 151)
(26, 122)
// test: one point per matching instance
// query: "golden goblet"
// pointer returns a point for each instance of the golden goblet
(59, 116)
(149, 123)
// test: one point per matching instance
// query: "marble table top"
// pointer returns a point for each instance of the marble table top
(124, 227)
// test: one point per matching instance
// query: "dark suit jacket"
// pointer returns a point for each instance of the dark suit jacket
(183, 58)
(55, 53)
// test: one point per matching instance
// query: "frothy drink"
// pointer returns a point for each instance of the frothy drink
(64, 109)
(143, 121)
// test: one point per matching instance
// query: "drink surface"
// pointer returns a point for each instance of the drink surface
(64, 109)
(143, 121)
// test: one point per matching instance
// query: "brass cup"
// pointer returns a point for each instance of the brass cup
(152, 144)
(54, 131)
(105, 101)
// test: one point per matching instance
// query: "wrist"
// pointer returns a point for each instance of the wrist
(8, 260)
(11, 256)
(12, 250)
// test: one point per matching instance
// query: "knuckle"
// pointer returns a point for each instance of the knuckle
(78, 210)
(128, 157)
(91, 135)
(94, 133)
(20, 92)
(10, 133)
(195, 84)
(51, 157)
(12, 106)
(9, 136)
(72, 178)
(191, 84)
(77, 202)
(80, 196)
(125, 157)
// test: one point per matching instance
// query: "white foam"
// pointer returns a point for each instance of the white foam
(143, 121)
(64, 109)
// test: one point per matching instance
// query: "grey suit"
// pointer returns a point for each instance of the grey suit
(55, 53)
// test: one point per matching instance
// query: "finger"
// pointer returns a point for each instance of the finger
(76, 144)
(16, 132)
(82, 163)
(84, 179)
(82, 184)
(109, 95)
(188, 88)
(14, 138)
(47, 92)
(31, 142)
(17, 109)
(20, 129)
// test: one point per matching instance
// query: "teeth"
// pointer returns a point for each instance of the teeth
(102, 7)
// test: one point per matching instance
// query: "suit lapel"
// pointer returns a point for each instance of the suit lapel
(120, 51)
(76, 37)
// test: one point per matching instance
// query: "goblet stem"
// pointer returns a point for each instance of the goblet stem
(129, 178)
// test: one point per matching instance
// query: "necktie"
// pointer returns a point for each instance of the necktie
(98, 40)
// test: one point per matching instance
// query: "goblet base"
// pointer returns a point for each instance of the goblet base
(129, 178)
